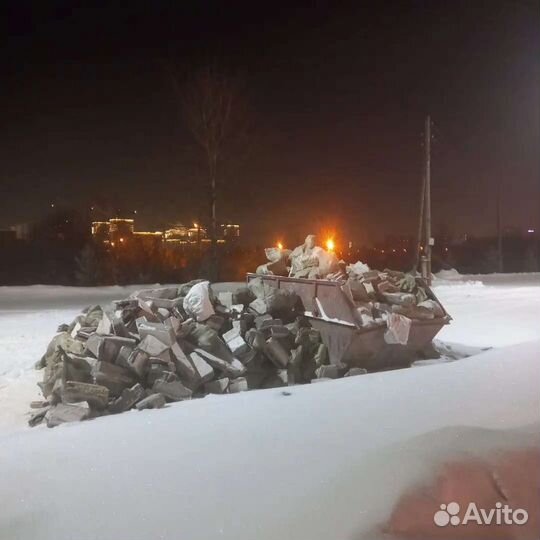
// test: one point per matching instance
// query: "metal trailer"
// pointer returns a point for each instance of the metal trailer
(332, 312)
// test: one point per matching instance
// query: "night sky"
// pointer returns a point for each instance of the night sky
(338, 94)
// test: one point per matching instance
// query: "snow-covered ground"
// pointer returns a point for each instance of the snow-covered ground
(490, 311)
(327, 461)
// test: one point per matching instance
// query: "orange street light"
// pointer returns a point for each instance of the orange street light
(279, 245)
(330, 245)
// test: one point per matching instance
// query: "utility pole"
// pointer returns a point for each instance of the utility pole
(426, 258)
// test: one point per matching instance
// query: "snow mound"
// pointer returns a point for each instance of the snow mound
(450, 274)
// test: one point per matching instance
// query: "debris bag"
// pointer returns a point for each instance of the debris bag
(358, 268)
(399, 327)
(328, 262)
(197, 302)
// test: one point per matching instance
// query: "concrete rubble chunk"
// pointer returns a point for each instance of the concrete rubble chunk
(77, 368)
(235, 342)
(139, 362)
(155, 373)
(203, 369)
(122, 358)
(255, 339)
(39, 404)
(173, 391)
(355, 371)
(263, 321)
(277, 353)
(152, 346)
(97, 396)
(154, 401)
(128, 398)
(37, 416)
(64, 412)
(169, 293)
(219, 386)
(238, 385)
(184, 366)
(164, 334)
(259, 306)
(114, 377)
(109, 347)
(234, 368)
(105, 325)
(330, 372)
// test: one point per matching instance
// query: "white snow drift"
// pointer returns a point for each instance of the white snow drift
(327, 461)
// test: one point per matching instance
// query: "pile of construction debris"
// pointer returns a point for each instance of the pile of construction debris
(177, 343)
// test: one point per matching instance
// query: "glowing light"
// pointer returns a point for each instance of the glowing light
(121, 239)
(530, 231)
(330, 245)
(112, 244)
(279, 245)
(196, 225)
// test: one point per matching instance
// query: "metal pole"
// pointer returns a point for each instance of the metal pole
(500, 263)
(418, 240)
(428, 197)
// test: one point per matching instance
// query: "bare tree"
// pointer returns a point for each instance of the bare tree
(217, 116)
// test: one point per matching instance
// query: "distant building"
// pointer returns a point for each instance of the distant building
(230, 231)
(23, 231)
(119, 231)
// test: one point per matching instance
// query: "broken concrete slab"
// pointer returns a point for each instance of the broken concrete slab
(64, 412)
(109, 347)
(152, 346)
(163, 333)
(169, 293)
(154, 401)
(128, 398)
(173, 391)
(122, 358)
(184, 366)
(96, 395)
(255, 339)
(38, 416)
(203, 369)
(234, 368)
(259, 306)
(219, 386)
(235, 342)
(105, 324)
(238, 385)
(330, 371)
(139, 362)
(114, 377)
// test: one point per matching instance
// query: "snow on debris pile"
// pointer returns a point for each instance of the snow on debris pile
(177, 343)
